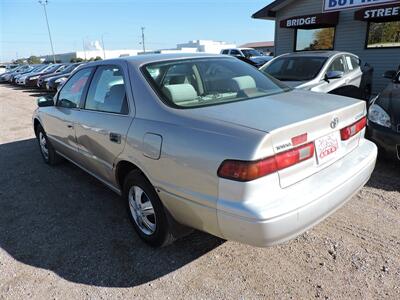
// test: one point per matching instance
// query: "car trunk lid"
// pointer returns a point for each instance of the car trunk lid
(295, 118)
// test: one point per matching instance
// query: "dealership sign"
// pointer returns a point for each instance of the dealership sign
(335, 5)
(384, 13)
(311, 21)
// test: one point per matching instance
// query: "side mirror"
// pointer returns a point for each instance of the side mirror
(390, 74)
(333, 75)
(45, 101)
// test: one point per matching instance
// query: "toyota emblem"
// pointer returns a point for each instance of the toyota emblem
(334, 123)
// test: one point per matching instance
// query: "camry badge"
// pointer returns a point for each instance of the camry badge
(334, 123)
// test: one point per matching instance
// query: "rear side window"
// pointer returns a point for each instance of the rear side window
(353, 63)
(107, 91)
(71, 93)
(225, 52)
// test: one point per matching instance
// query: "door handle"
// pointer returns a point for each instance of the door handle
(70, 126)
(115, 137)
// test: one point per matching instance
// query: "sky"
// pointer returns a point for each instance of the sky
(23, 30)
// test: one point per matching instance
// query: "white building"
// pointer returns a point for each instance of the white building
(195, 46)
(207, 46)
(88, 54)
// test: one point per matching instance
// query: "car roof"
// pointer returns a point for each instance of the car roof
(326, 54)
(139, 60)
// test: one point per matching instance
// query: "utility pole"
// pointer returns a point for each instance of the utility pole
(144, 47)
(104, 47)
(44, 3)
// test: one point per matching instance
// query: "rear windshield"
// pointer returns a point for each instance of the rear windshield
(203, 82)
(295, 68)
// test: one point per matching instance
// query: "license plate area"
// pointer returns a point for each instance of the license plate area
(327, 147)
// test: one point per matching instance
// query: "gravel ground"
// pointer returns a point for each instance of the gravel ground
(64, 235)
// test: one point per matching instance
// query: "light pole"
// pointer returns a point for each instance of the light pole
(104, 47)
(84, 47)
(144, 47)
(44, 3)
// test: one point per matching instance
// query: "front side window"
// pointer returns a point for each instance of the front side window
(295, 68)
(383, 35)
(107, 91)
(315, 39)
(71, 93)
(203, 82)
(337, 65)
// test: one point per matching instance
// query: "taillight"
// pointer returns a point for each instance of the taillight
(250, 170)
(353, 129)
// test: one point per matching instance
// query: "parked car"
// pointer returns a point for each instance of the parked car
(53, 72)
(52, 83)
(15, 78)
(5, 77)
(31, 80)
(332, 72)
(257, 58)
(384, 117)
(20, 78)
(224, 149)
(7, 67)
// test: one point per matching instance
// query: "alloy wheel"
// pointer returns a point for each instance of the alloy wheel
(43, 145)
(142, 210)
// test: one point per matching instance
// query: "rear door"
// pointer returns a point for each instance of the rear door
(104, 120)
(354, 76)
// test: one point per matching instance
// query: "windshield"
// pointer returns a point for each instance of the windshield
(250, 52)
(204, 82)
(50, 68)
(295, 68)
(69, 68)
(39, 68)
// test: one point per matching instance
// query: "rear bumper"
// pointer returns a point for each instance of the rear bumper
(385, 138)
(323, 193)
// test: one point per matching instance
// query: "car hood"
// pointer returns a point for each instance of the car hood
(260, 59)
(55, 77)
(275, 111)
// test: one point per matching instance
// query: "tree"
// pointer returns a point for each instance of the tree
(76, 60)
(20, 61)
(34, 60)
(98, 58)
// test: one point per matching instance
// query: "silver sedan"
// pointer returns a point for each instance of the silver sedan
(208, 142)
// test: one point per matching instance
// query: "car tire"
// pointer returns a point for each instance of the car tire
(146, 212)
(47, 150)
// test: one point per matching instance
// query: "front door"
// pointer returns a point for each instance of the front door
(59, 121)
